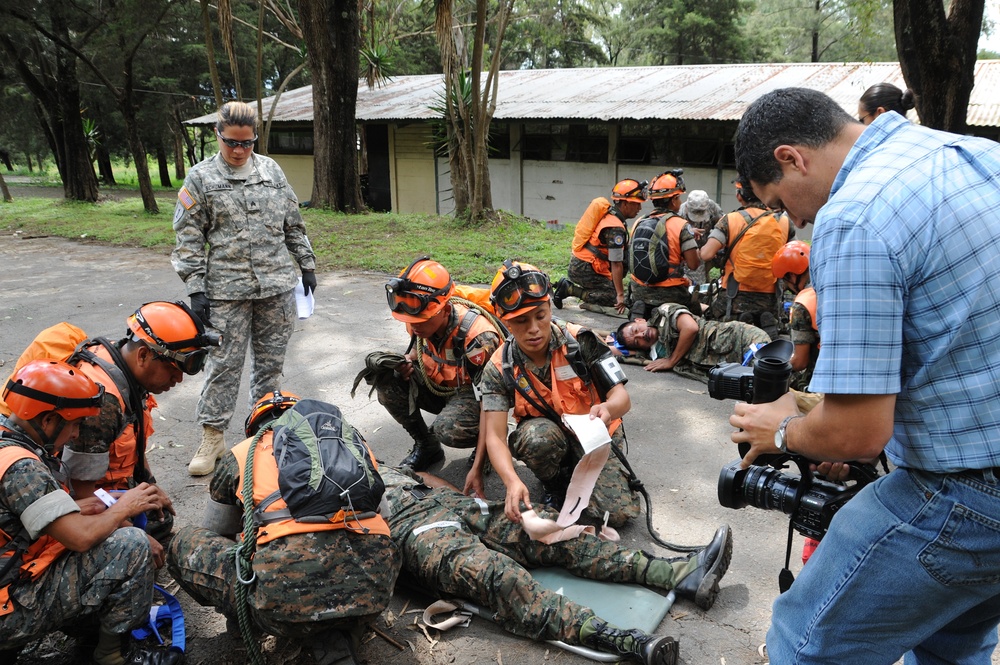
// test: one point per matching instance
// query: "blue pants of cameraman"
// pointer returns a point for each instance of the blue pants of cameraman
(911, 565)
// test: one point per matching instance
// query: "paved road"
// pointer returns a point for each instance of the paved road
(677, 442)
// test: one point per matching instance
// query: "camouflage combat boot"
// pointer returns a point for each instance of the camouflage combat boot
(632, 644)
(694, 577)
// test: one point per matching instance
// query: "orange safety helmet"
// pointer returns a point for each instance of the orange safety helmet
(517, 288)
(792, 257)
(420, 291)
(630, 189)
(667, 185)
(52, 385)
(173, 332)
(266, 408)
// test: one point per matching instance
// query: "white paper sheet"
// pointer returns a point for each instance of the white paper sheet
(305, 304)
(592, 433)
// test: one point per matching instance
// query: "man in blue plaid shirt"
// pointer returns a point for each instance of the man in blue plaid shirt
(906, 262)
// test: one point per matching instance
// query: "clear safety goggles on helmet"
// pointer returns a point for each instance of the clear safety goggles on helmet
(519, 285)
(190, 362)
(408, 297)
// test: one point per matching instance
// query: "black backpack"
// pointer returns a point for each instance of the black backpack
(324, 466)
(649, 251)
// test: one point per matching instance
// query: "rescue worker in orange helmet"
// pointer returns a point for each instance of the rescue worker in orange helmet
(449, 346)
(597, 269)
(164, 341)
(747, 239)
(791, 265)
(663, 244)
(316, 580)
(62, 560)
(548, 368)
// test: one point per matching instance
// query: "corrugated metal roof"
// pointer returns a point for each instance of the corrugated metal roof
(695, 92)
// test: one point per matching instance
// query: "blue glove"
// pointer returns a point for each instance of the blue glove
(308, 281)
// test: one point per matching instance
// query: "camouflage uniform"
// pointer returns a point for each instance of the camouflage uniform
(112, 581)
(457, 422)
(306, 583)
(253, 230)
(545, 447)
(597, 289)
(107, 441)
(698, 276)
(457, 545)
(717, 342)
(800, 327)
(746, 304)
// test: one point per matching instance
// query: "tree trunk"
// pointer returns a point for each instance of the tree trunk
(162, 164)
(5, 156)
(104, 166)
(179, 168)
(31, 168)
(6, 192)
(213, 69)
(332, 34)
(79, 179)
(127, 108)
(937, 54)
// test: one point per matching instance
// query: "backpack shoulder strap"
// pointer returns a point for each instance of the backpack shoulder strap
(458, 346)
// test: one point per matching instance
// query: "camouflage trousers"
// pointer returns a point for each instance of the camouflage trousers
(597, 289)
(266, 325)
(642, 300)
(112, 581)
(548, 452)
(718, 342)
(745, 303)
(306, 583)
(457, 546)
(457, 422)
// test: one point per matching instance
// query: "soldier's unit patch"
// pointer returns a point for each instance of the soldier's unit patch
(184, 196)
(476, 357)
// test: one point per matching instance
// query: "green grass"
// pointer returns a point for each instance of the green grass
(380, 242)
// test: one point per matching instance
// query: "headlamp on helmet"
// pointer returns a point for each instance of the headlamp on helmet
(420, 291)
(517, 287)
(667, 185)
(174, 333)
(267, 408)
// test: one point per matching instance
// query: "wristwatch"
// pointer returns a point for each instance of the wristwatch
(780, 438)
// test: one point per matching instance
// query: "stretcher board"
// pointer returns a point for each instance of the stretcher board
(624, 605)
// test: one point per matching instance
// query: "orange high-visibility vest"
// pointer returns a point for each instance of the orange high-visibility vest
(569, 393)
(41, 553)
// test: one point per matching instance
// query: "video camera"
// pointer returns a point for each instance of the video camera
(810, 501)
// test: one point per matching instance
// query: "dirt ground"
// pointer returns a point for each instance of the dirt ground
(677, 442)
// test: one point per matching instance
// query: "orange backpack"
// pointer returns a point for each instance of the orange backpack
(58, 341)
(595, 212)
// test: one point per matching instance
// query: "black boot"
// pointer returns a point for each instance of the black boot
(426, 448)
(702, 584)
(422, 457)
(633, 644)
(144, 654)
(561, 291)
(555, 489)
